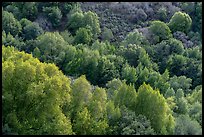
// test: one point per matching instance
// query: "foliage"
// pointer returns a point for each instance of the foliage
(186, 126)
(107, 34)
(180, 21)
(33, 104)
(132, 78)
(83, 35)
(10, 24)
(152, 104)
(31, 31)
(54, 15)
(160, 31)
(130, 124)
(134, 37)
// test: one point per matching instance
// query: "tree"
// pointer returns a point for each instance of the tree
(135, 54)
(106, 71)
(76, 21)
(8, 39)
(36, 52)
(14, 10)
(195, 112)
(81, 92)
(54, 15)
(160, 31)
(83, 35)
(180, 21)
(152, 104)
(85, 125)
(92, 19)
(104, 48)
(97, 105)
(67, 36)
(129, 74)
(29, 10)
(125, 95)
(141, 15)
(107, 34)
(134, 37)
(197, 18)
(66, 7)
(162, 14)
(163, 50)
(25, 22)
(34, 95)
(181, 82)
(130, 124)
(113, 115)
(10, 24)
(195, 96)
(51, 46)
(26, 10)
(176, 65)
(186, 126)
(32, 31)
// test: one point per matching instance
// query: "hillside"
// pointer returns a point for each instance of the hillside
(102, 68)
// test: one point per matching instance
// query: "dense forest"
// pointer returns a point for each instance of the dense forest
(102, 68)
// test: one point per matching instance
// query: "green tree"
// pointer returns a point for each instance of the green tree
(76, 21)
(160, 31)
(152, 104)
(26, 10)
(81, 92)
(24, 22)
(180, 21)
(181, 82)
(162, 14)
(107, 34)
(32, 31)
(134, 37)
(130, 124)
(135, 54)
(10, 24)
(51, 45)
(97, 105)
(29, 10)
(195, 112)
(34, 94)
(113, 115)
(54, 15)
(67, 36)
(85, 125)
(125, 95)
(129, 74)
(36, 52)
(163, 50)
(83, 35)
(8, 39)
(66, 7)
(186, 126)
(92, 19)
(197, 18)
(176, 65)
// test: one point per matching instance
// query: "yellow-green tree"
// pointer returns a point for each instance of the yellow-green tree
(34, 95)
(152, 104)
